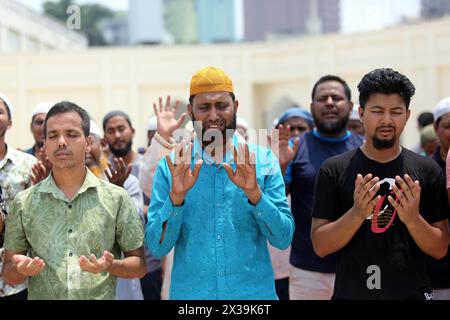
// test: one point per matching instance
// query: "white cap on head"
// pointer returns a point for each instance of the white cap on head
(355, 113)
(241, 122)
(8, 103)
(43, 107)
(95, 129)
(275, 122)
(152, 124)
(443, 107)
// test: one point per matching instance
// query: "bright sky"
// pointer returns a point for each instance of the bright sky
(356, 15)
(113, 4)
(367, 15)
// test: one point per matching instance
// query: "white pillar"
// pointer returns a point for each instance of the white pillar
(313, 24)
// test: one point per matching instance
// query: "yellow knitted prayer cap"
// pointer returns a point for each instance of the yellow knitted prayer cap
(210, 79)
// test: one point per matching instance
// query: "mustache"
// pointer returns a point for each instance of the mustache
(386, 127)
(62, 151)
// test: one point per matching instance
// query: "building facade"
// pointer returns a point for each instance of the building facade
(263, 73)
(287, 18)
(24, 30)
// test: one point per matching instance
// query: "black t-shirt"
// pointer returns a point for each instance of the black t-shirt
(382, 247)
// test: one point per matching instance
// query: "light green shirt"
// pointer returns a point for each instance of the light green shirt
(44, 222)
(15, 169)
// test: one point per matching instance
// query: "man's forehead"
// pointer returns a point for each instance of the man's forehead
(330, 86)
(295, 120)
(64, 121)
(116, 121)
(2, 104)
(212, 96)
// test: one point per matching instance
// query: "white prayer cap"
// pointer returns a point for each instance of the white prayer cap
(152, 124)
(43, 107)
(95, 129)
(7, 102)
(441, 108)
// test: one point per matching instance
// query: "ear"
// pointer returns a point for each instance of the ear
(236, 105)
(361, 114)
(436, 128)
(133, 131)
(88, 143)
(408, 114)
(351, 105)
(9, 125)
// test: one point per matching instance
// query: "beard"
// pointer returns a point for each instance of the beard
(382, 144)
(3, 131)
(330, 127)
(224, 133)
(120, 153)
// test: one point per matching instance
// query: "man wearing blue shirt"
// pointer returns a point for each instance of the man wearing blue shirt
(217, 212)
(312, 277)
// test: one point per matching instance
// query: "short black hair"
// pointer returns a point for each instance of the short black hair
(66, 107)
(385, 81)
(425, 118)
(116, 113)
(348, 92)
(191, 98)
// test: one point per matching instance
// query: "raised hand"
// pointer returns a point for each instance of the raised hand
(279, 143)
(245, 175)
(38, 172)
(120, 174)
(363, 197)
(183, 179)
(28, 266)
(41, 155)
(166, 121)
(95, 265)
(407, 205)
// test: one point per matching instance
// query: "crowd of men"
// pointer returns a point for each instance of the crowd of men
(331, 206)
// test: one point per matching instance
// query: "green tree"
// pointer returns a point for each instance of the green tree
(91, 17)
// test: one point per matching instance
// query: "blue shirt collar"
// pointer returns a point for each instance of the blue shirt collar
(347, 136)
(199, 153)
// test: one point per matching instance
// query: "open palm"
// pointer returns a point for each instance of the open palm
(183, 178)
(279, 143)
(244, 176)
(166, 117)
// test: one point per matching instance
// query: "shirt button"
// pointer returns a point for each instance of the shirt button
(221, 273)
(70, 254)
(218, 204)
(219, 237)
(70, 206)
(70, 230)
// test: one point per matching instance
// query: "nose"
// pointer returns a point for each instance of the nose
(386, 118)
(213, 115)
(117, 134)
(329, 103)
(62, 141)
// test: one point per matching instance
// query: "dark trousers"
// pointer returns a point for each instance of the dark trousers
(282, 288)
(22, 295)
(151, 285)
